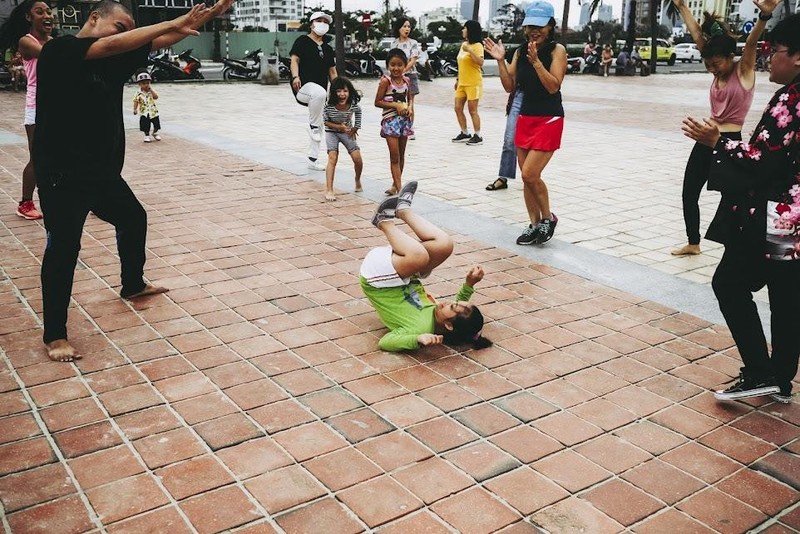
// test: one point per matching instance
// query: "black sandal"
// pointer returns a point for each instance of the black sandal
(497, 184)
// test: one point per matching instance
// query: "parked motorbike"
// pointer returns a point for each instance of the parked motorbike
(247, 68)
(166, 68)
(449, 66)
(5, 75)
(362, 65)
(284, 68)
(575, 65)
(592, 65)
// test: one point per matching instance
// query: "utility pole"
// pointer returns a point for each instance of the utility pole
(476, 6)
(654, 4)
(338, 25)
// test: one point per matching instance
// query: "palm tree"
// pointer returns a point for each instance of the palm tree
(338, 25)
(593, 5)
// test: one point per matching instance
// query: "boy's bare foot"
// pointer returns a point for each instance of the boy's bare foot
(329, 196)
(61, 351)
(148, 289)
(686, 250)
(358, 187)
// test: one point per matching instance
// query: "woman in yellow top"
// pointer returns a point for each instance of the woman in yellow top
(469, 85)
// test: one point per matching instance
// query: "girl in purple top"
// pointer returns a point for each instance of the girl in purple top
(731, 95)
(27, 29)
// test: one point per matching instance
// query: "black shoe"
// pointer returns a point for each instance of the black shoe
(547, 227)
(461, 138)
(746, 387)
(475, 140)
(406, 195)
(530, 236)
(386, 210)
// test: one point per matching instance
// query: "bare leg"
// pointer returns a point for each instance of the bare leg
(472, 106)
(459, 109)
(409, 256)
(28, 176)
(402, 142)
(394, 164)
(537, 200)
(358, 165)
(333, 157)
(60, 350)
(437, 243)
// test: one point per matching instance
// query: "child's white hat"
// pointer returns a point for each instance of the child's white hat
(143, 77)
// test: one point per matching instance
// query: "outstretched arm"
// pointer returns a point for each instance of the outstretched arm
(691, 24)
(169, 39)
(748, 62)
(125, 41)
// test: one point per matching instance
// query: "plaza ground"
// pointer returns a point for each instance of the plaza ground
(252, 397)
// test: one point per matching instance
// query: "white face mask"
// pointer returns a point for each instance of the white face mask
(320, 28)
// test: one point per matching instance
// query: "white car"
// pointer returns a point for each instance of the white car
(687, 52)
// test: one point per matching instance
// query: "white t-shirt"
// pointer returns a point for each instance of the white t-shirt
(410, 47)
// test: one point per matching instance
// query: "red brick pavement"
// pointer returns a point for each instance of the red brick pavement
(253, 396)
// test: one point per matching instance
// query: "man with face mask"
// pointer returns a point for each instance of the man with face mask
(313, 64)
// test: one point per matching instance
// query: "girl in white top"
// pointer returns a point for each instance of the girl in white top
(27, 29)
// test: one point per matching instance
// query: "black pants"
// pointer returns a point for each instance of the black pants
(145, 122)
(65, 207)
(742, 271)
(694, 178)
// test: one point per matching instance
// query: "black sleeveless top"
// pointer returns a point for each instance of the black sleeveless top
(537, 101)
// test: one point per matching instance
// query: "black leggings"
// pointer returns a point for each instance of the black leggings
(65, 207)
(694, 178)
(742, 271)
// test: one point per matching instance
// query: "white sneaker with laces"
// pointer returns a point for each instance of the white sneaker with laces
(316, 165)
(147, 138)
(156, 137)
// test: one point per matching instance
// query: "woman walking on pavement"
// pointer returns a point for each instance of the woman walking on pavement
(539, 70)
(27, 29)
(731, 95)
(469, 85)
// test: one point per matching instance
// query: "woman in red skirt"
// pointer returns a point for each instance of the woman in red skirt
(539, 70)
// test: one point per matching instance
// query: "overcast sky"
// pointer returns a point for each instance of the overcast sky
(417, 7)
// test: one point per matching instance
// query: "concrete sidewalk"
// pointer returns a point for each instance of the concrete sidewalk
(252, 397)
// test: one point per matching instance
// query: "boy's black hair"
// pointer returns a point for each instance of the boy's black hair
(340, 82)
(106, 7)
(474, 31)
(399, 24)
(787, 32)
(720, 40)
(467, 330)
(396, 52)
(16, 25)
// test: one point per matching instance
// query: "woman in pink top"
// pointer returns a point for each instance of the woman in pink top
(731, 95)
(27, 29)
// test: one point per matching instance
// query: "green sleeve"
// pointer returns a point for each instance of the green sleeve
(465, 293)
(397, 340)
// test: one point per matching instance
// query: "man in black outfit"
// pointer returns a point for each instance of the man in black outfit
(79, 149)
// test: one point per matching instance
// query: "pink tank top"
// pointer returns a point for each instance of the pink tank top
(30, 74)
(732, 102)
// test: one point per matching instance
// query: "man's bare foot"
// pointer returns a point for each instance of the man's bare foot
(358, 186)
(147, 290)
(329, 196)
(61, 351)
(686, 250)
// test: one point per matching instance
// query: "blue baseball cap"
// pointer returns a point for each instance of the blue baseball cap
(538, 13)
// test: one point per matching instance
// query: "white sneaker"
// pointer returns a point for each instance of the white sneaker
(147, 138)
(315, 133)
(156, 137)
(316, 165)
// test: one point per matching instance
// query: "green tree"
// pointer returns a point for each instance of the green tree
(510, 17)
(449, 31)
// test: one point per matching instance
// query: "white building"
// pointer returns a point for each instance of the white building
(437, 15)
(274, 15)
(604, 12)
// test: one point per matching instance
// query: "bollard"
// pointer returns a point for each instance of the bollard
(269, 71)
